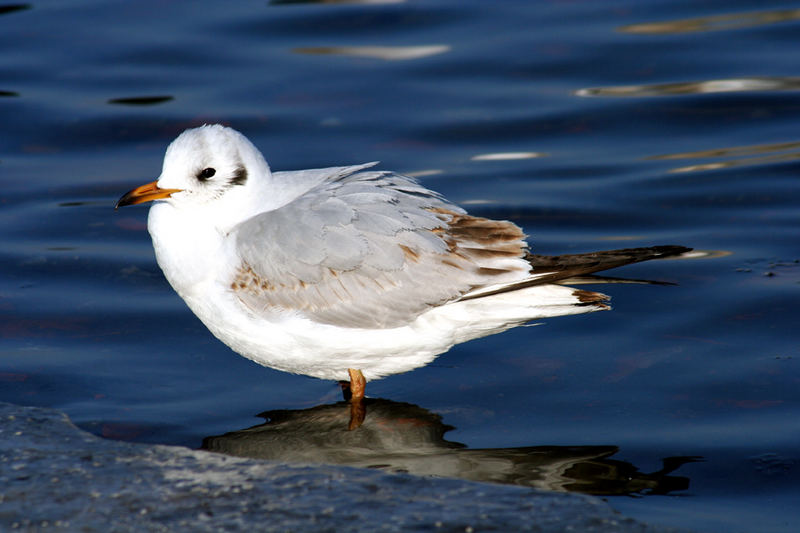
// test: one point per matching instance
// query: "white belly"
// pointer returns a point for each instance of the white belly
(201, 272)
(293, 343)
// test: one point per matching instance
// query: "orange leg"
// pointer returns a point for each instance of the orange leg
(357, 384)
(358, 410)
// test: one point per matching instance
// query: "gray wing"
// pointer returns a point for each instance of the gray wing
(370, 250)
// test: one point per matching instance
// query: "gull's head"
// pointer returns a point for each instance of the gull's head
(212, 168)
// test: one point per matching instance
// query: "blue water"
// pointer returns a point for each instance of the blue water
(659, 122)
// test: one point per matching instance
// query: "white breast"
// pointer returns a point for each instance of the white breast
(188, 248)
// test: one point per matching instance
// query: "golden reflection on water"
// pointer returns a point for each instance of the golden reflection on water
(731, 85)
(730, 21)
(757, 154)
(389, 53)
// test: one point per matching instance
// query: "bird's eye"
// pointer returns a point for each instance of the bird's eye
(206, 173)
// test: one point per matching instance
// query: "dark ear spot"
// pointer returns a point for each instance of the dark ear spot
(239, 176)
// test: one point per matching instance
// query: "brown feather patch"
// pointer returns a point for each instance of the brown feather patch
(480, 230)
(589, 298)
(486, 271)
(247, 279)
(480, 242)
(410, 254)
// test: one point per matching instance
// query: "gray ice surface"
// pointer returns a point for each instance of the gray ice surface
(54, 476)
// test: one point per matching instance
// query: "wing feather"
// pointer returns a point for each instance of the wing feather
(370, 249)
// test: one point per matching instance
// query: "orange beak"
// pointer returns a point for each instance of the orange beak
(145, 193)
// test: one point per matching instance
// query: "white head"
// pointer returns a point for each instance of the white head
(212, 168)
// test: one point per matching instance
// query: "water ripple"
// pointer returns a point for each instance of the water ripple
(739, 156)
(728, 21)
(12, 8)
(731, 85)
(289, 2)
(507, 156)
(141, 100)
(389, 53)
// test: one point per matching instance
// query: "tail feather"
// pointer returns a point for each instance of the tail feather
(554, 268)
(588, 263)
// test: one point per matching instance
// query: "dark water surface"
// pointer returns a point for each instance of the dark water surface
(627, 124)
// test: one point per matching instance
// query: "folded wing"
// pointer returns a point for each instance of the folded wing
(368, 249)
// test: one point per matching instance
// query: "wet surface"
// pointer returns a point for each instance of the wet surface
(59, 478)
(592, 126)
(405, 438)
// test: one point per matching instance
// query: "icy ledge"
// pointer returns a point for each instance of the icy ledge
(55, 476)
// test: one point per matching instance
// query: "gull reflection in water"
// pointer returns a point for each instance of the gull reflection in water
(400, 437)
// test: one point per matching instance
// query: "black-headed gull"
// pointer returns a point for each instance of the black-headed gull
(344, 273)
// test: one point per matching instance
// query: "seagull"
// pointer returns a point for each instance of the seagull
(345, 273)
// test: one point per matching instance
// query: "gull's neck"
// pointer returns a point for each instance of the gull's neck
(188, 247)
